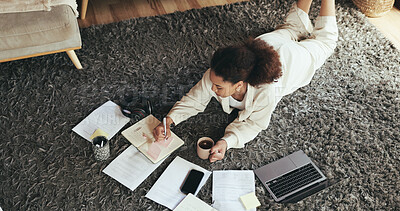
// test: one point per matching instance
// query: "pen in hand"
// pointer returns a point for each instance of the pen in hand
(165, 128)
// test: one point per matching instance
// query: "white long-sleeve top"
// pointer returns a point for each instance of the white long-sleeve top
(299, 62)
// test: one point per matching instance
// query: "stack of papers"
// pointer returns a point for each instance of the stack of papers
(228, 186)
(166, 190)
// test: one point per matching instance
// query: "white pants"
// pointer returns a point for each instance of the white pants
(297, 24)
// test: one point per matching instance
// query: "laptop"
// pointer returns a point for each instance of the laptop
(292, 178)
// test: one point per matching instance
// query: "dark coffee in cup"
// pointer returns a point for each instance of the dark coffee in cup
(206, 144)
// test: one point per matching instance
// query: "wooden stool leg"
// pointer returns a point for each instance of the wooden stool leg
(84, 8)
(74, 59)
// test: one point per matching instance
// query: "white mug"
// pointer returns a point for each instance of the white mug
(204, 146)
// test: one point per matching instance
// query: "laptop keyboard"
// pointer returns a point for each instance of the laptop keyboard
(293, 180)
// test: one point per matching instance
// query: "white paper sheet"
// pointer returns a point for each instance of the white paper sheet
(228, 186)
(166, 190)
(107, 117)
(192, 203)
(130, 168)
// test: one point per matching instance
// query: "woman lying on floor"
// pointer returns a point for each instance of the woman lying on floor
(254, 76)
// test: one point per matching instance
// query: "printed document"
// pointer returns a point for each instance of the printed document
(107, 117)
(166, 191)
(130, 168)
(228, 186)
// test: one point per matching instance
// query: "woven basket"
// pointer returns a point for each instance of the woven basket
(374, 8)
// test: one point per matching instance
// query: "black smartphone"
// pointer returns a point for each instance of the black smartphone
(192, 181)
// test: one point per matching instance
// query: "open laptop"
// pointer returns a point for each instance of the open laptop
(292, 178)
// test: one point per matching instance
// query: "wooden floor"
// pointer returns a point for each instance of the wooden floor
(108, 11)
(389, 25)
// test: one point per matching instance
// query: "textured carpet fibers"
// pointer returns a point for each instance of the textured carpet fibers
(346, 120)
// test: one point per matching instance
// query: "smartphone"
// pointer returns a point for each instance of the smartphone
(192, 181)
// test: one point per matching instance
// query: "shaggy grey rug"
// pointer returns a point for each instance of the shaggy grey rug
(346, 120)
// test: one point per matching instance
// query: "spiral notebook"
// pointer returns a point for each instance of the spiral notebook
(141, 136)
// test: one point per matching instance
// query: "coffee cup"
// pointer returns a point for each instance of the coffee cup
(204, 146)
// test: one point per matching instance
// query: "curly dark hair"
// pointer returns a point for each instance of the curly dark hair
(253, 61)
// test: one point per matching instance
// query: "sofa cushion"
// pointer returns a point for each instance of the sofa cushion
(28, 29)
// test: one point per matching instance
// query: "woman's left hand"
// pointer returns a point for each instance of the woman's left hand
(218, 151)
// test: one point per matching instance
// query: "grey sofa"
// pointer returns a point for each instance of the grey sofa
(29, 34)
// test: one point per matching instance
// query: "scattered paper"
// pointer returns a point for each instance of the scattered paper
(192, 203)
(130, 168)
(228, 186)
(250, 201)
(108, 117)
(166, 191)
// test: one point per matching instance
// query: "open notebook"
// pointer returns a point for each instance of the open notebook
(141, 136)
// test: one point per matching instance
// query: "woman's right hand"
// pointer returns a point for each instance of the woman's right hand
(158, 131)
